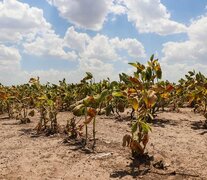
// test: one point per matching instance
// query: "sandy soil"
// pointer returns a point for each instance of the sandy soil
(177, 150)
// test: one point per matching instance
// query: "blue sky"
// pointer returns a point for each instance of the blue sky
(57, 39)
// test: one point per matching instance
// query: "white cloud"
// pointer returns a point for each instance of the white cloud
(197, 30)
(9, 58)
(100, 69)
(10, 69)
(97, 54)
(94, 54)
(190, 54)
(117, 7)
(87, 14)
(75, 40)
(176, 71)
(19, 20)
(25, 25)
(151, 16)
(49, 45)
(101, 47)
(133, 47)
(81, 45)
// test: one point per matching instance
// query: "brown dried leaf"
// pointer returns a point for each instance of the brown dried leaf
(145, 140)
(91, 112)
(126, 140)
(135, 146)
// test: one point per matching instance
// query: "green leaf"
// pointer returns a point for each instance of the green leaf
(103, 95)
(145, 127)
(134, 64)
(159, 73)
(148, 74)
(152, 57)
(134, 127)
(50, 102)
(79, 110)
(117, 94)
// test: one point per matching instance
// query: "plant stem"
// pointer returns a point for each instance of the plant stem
(86, 127)
(94, 132)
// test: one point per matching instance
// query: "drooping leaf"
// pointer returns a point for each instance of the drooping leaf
(79, 110)
(91, 112)
(145, 126)
(88, 101)
(126, 140)
(145, 139)
(150, 98)
(135, 146)
(134, 102)
(103, 95)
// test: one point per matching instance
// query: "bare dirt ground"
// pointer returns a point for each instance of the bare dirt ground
(177, 150)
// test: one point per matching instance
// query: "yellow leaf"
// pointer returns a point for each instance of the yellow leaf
(134, 102)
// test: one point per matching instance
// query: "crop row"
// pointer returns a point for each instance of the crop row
(144, 92)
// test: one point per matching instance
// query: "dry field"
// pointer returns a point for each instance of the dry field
(177, 150)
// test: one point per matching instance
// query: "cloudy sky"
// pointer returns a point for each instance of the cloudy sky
(54, 39)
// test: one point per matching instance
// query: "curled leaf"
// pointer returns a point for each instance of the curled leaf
(150, 98)
(126, 140)
(134, 102)
(79, 110)
(135, 146)
(91, 112)
(145, 139)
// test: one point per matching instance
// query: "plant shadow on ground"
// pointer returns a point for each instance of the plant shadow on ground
(200, 125)
(9, 121)
(5, 118)
(79, 145)
(26, 131)
(32, 133)
(139, 166)
(163, 122)
(124, 118)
